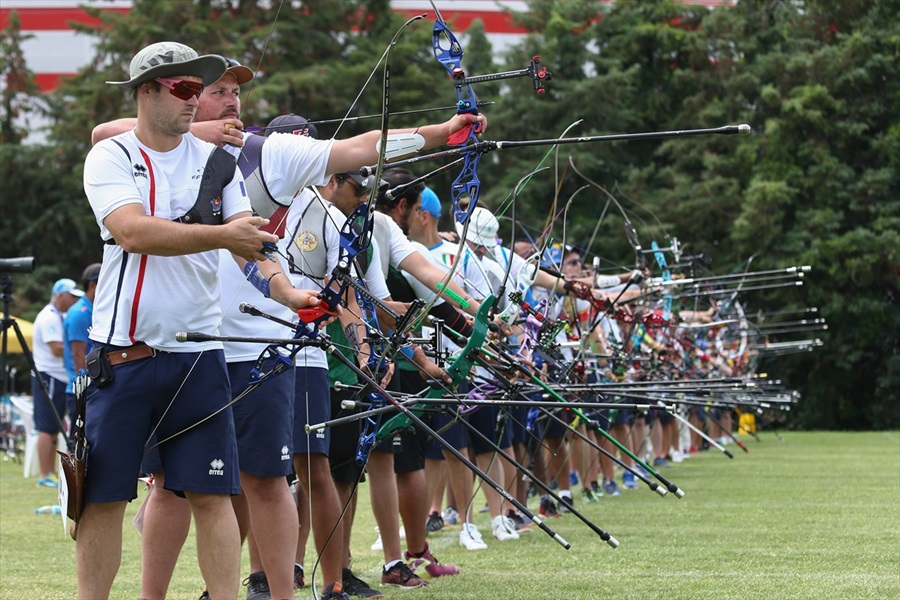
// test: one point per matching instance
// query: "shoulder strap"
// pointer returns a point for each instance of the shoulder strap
(217, 173)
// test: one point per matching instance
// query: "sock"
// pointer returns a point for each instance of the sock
(391, 565)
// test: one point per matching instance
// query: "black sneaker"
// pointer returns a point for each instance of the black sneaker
(548, 507)
(204, 595)
(354, 586)
(400, 576)
(565, 504)
(298, 577)
(435, 522)
(330, 594)
(519, 521)
(257, 586)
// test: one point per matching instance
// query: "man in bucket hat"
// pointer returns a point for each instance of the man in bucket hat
(166, 202)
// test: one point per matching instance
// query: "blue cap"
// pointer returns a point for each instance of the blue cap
(67, 286)
(552, 258)
(430, 203)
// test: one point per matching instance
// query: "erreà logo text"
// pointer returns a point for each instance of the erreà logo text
(217, 467)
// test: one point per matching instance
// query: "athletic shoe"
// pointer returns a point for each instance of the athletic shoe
(642, 471)
(204, 595)
(522, 526)
(298, 577)
(694, 450)
(629, 482)
(433, 567)
(573, 478)
(565, 502)
(400, 576)
(660, 462)
(598, 491)
(548, 508)
(588, 497)
(484, 509)
(257, 586)
(434, 523)
(330, 594)
(610, 488)
(450, 516)
(354, 586)
(48, 481)
(553, 484)
(676, 456)
(503, 529)
(470, 538)
(378, 545)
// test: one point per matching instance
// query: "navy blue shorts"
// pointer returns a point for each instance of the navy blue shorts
(312, 404)
(263, 422)
(518, 434)
(623, 416)
(553, 429)
(44, 420)
(456, 435)
(485, 420)
(169, 392)
(344, 441)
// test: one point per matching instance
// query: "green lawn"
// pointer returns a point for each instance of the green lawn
(815, 516)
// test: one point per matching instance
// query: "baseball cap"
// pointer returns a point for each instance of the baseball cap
(552, 257)
(366, 183)
(91, 273)
(167, 59)
(483, 228)
(430, 203)
(66, 286)
(241, 73)
(294, 124)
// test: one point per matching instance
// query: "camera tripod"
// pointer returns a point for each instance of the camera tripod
(6, 286)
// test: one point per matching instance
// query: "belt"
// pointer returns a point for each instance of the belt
(129, 354)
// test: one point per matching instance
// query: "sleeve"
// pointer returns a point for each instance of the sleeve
(109, 182)
(234, 197)
(374, 278)
(291, 162)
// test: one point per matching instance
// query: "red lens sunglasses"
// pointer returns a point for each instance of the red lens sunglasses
(183, 90)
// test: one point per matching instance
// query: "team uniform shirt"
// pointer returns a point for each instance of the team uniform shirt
(144, 298)
(288, 164)
(309, 235)
(502, 256)
(48, 327)
(75, 329)
(393, 245)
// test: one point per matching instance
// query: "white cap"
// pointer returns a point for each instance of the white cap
(483, 228)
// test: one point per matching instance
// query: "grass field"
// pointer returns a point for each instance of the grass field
(814, 516)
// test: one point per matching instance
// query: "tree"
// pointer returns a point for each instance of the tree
(19, 90)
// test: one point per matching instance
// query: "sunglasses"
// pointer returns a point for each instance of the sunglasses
(359, 190)
(183, 90)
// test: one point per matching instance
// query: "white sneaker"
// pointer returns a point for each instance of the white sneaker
(470, 538)
(677, 456)
(504, 529)
(379, 545)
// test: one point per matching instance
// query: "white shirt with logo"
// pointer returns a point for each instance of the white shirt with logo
(144, 298)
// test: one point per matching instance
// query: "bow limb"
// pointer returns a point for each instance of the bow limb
(458, 371)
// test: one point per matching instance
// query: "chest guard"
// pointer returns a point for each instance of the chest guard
(307, 247)
(218, 173)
